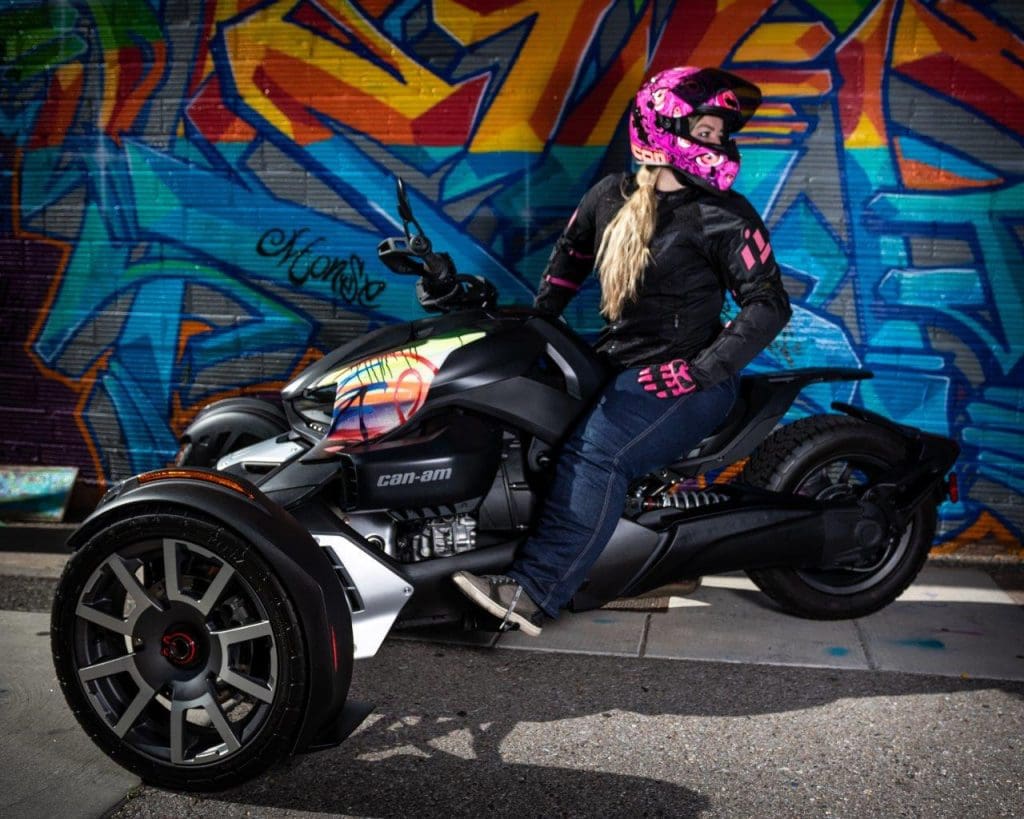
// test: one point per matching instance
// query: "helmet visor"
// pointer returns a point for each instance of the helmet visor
(680, 127)
(721, 94)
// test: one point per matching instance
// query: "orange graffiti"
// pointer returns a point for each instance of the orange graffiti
(986, 528)
(924, 177)
(861, 60)
(974, 53)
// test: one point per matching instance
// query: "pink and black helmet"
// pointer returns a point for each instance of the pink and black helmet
(659, 126)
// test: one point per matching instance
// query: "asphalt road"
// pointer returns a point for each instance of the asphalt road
(492, 732)
(462, 732)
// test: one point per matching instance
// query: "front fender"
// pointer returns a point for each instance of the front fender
(299, 563)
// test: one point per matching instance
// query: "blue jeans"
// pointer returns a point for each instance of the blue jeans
(629, 433)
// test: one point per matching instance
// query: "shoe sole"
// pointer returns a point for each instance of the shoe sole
(467, 587)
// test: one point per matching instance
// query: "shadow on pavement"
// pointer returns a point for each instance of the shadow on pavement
(456, 729)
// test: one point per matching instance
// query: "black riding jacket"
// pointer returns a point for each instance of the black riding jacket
(703, 243)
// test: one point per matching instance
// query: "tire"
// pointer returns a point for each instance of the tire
(179, 651)
(827, 456)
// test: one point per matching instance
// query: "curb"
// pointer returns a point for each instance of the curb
(50, 538)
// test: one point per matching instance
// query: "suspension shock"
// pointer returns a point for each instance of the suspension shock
(683, 500)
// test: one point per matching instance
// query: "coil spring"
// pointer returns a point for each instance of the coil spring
(685, 500)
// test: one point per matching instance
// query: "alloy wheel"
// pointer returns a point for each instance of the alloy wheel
(846, 477)
(175, 652)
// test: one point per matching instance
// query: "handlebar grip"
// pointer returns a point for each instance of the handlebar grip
(441, 269)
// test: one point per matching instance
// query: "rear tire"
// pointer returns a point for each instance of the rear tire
(826, 456)
(179, 652)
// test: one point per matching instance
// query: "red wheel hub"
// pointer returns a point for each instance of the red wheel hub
(179, 647)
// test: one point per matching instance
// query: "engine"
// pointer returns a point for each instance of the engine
(440, 537)
(426, 532)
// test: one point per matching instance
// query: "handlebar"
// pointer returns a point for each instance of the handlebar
(440, 288)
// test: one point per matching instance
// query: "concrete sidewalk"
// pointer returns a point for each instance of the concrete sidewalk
(952, 622)
(48, 766)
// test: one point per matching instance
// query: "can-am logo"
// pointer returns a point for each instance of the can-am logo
(427, 475)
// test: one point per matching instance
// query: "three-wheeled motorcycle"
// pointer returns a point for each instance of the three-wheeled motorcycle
(207, 623)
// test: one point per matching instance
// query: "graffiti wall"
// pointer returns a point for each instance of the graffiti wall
(191, 193)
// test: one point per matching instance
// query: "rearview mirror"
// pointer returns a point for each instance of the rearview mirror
(403, 204)
(418, 243)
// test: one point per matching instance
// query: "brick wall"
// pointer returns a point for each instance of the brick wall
(190, 198)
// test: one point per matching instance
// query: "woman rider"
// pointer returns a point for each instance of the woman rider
(666, 241)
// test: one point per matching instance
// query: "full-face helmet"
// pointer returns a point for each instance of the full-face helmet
(665, 106)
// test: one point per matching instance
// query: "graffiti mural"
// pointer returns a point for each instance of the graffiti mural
(191, 193)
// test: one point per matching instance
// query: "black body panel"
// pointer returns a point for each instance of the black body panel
(441, 468)
(753, 529)
(762, 401)
(509, 504)
(296, 480)
(231, 424)
(534, 375)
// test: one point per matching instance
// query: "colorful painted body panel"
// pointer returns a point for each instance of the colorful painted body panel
(382, 392)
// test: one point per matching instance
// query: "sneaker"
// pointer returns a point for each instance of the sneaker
(502, 597)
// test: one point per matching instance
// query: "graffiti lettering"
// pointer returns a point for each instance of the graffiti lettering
(347, 277)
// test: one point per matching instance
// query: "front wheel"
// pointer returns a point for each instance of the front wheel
(179, 651)
(831, 457)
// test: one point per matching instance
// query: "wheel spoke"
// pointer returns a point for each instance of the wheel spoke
(220, 722)
(131, 713)
(838, 473)
(107, 667)
(844, 476)
(251, 631)
(216, 588)
(131, 583)
(103, 620)
(247, 685)
(814, 483)
(172, 581)
(259, 689)
(178, 713)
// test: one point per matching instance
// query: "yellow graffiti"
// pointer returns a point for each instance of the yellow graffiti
(788, 42)
(523, 116)
(286, 72)
(865, 55)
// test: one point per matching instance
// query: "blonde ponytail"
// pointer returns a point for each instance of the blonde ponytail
(624, 253)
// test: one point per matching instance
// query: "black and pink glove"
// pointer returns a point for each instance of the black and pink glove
(669, 380)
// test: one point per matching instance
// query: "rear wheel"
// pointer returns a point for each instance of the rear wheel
(828, 457)
(179, 652)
